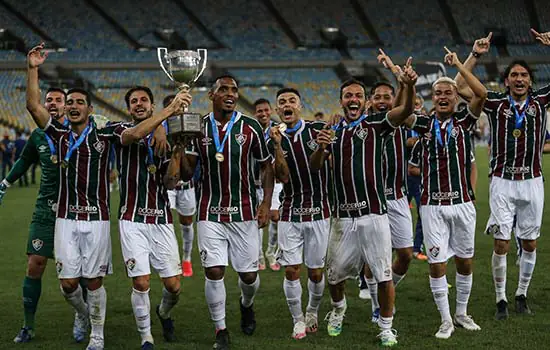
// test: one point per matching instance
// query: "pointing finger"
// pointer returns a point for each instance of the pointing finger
(446, 49)
(489, 36)
(537, 34)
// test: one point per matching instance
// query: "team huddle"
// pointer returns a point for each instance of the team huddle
(335, 193)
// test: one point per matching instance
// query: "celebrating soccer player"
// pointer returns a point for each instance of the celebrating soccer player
(228, 212)
(305, 211)
(518, 126)
(447, 211)
(82, 241)
(360, 230)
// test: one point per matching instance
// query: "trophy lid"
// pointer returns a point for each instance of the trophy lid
(183, 53)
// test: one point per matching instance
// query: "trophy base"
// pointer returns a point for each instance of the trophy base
(185, 124)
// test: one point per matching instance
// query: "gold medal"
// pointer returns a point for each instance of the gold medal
(333, 134)
(516, 133)
(151, 168)
(282, 127)
(219, 157)
(54, 159)
(64, 164)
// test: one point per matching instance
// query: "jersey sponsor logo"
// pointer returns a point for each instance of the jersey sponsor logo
(206, 141)
(439, 196)
(43, 149)
(306, 211)
(312, 145)
(37, 244)
(83, 209)
(99, 146)
(362, 133)
(517, 169)
(150, 212)
(240, 138)
(223, 210)
(131, 263)
(353, 206)
(388, 191)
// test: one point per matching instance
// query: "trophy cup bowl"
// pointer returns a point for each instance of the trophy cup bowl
(184, 68)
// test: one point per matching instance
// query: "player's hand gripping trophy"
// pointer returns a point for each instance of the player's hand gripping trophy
(183, 67)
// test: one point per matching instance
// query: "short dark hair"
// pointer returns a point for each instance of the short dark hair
(288, 89)
(138, 88)
(381, 83)
(260, 101)
(81, 91)
(56, 89)
(522, 63)
(349, 82)
(319, 114)
(223, 76)
(167, 100)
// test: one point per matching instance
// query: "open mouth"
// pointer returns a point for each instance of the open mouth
(353, 107)
(74, 113)
(519, 86)
(443, 104)
(139, 111)
(53, 111)
(229, 102)
(382, 107)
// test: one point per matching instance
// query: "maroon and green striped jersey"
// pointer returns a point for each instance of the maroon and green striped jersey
(395, 164)
(306, 196)
(226, 189)
(445, 169)
(143, 197)
(357, 167)
(84, 184)
(517, 158)
(257, 176)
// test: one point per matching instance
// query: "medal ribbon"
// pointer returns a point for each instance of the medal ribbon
(150, 159)
(520, 117)
(296, 127)
(351, 125)
(438, 132)
(266, 133)
(53, 151)
(216, 135)
(74, 145)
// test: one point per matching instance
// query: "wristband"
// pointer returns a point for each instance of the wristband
(476, 54)
(5, 182)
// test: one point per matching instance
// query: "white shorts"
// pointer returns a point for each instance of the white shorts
(238, 241)
(172, 198)
(449, 230)
(186, 204)
(144, 244)
(275, 201)
(399, 216)
(82, 248)
(309, 239)
(523, 199)
(356, 240)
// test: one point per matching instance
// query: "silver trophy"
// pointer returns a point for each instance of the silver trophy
(183, 67)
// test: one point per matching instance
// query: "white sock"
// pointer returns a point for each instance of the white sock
(97, 307)
(293, 294)
(339, 306)
(187, 236)
(315, 294)
(248, 291)
(373, 291)
(385, 323)
(76, 300)
(142, 313)
(526, 267)
(463, 289)
(169, 300)
(397, 278)
(214, 291)
(272, 242)
(440, 291)
(498, 263)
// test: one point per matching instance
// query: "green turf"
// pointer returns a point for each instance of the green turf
(416, 320)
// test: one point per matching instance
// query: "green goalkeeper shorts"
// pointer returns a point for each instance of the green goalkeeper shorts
(41, 233)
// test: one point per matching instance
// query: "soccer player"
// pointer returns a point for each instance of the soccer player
(19, 145)
(360, 228)
(82, 244)
(184, 201)
(447, 209)
(517, 119)
(8, 154)
(39, 148)
(147, 235)
(228, 212)
(305, 210)
(263, 115)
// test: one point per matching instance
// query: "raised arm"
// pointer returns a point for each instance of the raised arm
(481, 47)
(173, 173)
(281, 166)
(408, 78)
(479, 91)
(35, 58)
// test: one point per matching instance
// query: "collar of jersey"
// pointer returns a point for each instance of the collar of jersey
(297, 132)
(237, 117)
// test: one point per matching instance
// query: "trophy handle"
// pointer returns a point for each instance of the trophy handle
(161, 53)
(204, 57)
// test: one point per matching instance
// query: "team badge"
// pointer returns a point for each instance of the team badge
(387, 273)
(434, 251)
(58, 266)
(103, 268)
(130, 264)
(240, 138)
(532, 110)
(454, 132)
(493, 230)
(99, 146)
(37, 244)
(203, 255)
(312, 145)
(362, 133)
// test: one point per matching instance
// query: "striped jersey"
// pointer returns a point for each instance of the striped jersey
(143, 197)
(445, 169)
(257, 167)
(226, 189)
(395, 164)
(306, 196)
(84, 184)
(357, 167)
(517, 158)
